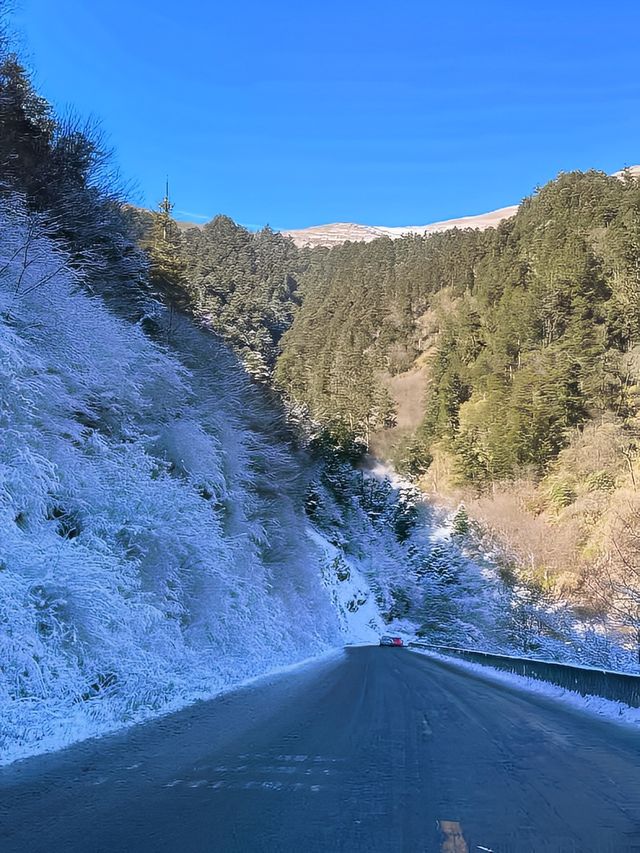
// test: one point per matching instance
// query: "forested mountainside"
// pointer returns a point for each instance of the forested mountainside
(520, 348)
(529, 329)
(242, 285)
(522, 332)
(498, 366)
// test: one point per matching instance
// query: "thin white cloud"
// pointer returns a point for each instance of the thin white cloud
(203, 216)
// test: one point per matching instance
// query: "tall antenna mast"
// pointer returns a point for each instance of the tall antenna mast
(165, 208)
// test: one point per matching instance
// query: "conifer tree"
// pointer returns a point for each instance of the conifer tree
(163, 245)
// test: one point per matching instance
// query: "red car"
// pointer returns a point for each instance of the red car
(391, 641)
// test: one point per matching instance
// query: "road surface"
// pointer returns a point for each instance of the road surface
(378, 749)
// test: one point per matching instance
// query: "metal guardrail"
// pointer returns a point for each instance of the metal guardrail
(617, 686)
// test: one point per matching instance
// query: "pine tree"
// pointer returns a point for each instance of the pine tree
(460, 523)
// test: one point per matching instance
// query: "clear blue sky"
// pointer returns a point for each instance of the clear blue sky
(302, 113)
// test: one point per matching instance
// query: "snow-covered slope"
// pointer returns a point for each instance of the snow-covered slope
(631, 171)
(340, 232)
(335, 233)
(153, 542)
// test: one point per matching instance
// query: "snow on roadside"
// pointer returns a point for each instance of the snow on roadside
(75, 728)
(594, 705)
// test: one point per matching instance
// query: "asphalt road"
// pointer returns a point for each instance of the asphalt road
(379, 749)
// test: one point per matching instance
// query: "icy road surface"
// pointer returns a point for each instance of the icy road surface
(378, 749)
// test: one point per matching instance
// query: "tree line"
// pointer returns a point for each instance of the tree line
(527, 330)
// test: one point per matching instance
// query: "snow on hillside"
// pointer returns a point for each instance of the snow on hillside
(335, 233)
(340, 232)
(153, 545)
(449, 585)
(631, 171)
(356, 607)
(481, 221)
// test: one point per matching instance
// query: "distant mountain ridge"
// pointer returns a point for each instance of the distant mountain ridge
(335, 233)
(339, 232)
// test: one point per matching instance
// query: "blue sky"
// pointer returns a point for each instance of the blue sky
(296, 114)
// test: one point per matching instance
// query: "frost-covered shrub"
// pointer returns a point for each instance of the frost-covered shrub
(460, 523)
(153, 543)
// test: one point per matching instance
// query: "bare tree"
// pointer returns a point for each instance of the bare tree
(614, 581)
(27, 260)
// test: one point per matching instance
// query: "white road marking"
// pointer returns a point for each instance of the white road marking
(252, 784)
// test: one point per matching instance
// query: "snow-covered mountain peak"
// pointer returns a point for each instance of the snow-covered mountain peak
(339, 232)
